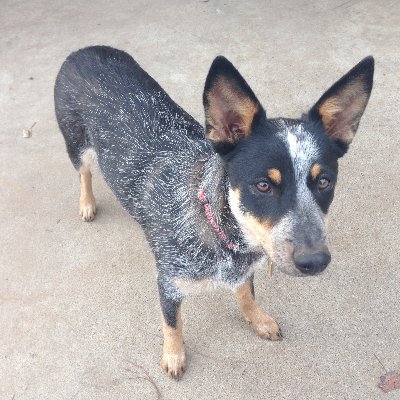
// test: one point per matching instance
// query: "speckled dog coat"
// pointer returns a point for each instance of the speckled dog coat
(212, 202)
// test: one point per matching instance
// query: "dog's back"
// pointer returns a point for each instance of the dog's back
(106, 103)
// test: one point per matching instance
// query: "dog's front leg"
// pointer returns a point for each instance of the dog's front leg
(173, 357)
(262, 323)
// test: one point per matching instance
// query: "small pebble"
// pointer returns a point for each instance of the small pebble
(27, 132)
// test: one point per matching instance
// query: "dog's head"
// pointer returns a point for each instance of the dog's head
(282, 172)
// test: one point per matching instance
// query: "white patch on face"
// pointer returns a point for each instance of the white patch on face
(292, 141)
(303, 149)
(303, 152)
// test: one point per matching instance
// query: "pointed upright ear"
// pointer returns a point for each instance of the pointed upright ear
(340, 108)
(230, 105)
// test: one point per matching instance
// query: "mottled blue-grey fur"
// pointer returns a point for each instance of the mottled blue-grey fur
(155, 158)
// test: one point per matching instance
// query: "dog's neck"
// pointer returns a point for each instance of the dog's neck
(214, 182)
(214, 187)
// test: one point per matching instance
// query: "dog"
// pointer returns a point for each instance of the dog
(215, 202)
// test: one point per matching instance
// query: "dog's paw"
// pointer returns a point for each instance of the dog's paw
(266, 327)
(174, 364)
(87, 209)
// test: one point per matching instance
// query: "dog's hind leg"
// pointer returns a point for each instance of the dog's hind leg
(87, 202)
(81, 154)
(173, 358)
(263, 324)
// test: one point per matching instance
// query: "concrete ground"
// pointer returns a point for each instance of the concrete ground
(79, 313)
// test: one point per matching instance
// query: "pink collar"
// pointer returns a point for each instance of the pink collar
(207, 209)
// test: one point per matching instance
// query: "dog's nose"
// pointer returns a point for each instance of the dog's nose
(311, 263)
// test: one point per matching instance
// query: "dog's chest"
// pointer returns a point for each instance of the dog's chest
(226, 273)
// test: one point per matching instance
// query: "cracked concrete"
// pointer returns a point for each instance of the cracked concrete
(79, 311)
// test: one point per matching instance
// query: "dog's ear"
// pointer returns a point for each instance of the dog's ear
(340, 108)
(230, 105)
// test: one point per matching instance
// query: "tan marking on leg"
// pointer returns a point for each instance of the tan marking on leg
(173, 357)
(87, 202)
(275, 175)
(263, 324)
(315, 171)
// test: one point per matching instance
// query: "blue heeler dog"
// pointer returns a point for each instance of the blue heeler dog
(213, 202)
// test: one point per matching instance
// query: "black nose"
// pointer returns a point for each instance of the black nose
(311, 263)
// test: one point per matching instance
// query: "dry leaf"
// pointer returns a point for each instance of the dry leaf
(390, 381)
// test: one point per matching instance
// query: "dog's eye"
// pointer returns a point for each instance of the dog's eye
(323, 183)
(263, 186)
